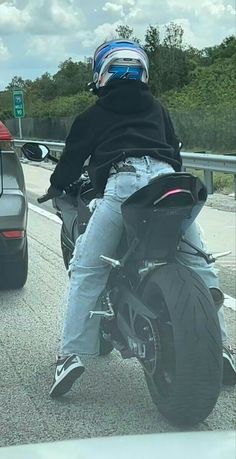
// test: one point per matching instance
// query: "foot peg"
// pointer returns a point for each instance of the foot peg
(108, 313)
(111, 261)
(105, 314)
(221, 254)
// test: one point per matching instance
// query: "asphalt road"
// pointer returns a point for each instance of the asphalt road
(112, 398)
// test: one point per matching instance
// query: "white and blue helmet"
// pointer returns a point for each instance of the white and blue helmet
(119, 59)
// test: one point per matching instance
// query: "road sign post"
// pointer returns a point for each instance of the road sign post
(18, 107)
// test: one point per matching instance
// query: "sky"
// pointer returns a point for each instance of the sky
(36, 35)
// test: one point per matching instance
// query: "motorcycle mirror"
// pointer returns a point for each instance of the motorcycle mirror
(35, 151)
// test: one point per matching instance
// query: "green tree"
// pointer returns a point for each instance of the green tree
(226, 49)
(169, 66)
(211, 87)
(44, 87)
(175, 65)
(173, 36)
(126, 32)
(17, 82)
(153, 48)
(62, 105)
(72, 77)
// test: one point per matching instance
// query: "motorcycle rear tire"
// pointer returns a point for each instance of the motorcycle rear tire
(193, 353)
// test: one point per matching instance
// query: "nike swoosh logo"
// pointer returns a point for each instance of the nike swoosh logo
(60, 371)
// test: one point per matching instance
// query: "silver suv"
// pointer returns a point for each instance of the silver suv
(13, 216)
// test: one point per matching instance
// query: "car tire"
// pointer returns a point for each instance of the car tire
(15, 273)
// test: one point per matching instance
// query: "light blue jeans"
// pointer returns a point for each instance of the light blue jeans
(89, 274)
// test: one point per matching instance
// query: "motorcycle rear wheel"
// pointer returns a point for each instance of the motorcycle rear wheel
(184, 380)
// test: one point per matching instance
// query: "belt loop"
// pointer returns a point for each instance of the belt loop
(147, 159)
(124, 157)
(115, 167)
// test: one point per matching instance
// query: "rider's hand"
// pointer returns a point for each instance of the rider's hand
(51, 193)
(93, 204)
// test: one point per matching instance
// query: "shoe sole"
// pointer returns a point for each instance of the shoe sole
(66, 383)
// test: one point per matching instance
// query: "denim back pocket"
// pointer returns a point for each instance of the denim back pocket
(125, 184)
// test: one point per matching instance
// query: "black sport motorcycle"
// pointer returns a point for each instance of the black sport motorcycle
(154, 308)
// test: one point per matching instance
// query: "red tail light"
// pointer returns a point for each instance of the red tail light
(4, 133)
(16, 234)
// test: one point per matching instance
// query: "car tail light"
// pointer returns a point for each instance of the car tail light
(4, 133)
(13, 234)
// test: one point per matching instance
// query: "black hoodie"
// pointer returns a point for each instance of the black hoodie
(125, 121)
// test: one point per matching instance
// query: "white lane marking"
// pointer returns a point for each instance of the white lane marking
(230, 302)
(229, 260)
(231, 264)
(45, 213)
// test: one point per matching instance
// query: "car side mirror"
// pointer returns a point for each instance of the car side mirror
(35, 151)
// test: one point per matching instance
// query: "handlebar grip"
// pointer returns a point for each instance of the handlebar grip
(44, 198)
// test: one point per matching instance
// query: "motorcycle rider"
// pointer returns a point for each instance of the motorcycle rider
(130, 139)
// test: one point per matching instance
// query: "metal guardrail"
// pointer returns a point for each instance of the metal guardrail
(209, 163)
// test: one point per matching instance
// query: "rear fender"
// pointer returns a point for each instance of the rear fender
(157, 214)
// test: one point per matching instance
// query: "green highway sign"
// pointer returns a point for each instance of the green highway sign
(18, 103)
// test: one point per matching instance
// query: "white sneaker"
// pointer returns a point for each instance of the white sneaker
(68, 369)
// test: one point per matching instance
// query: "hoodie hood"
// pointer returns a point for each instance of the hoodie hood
(125, 97)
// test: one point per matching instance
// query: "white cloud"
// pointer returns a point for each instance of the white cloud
(113, 8)
(219, 9)
(193, 4)
(40, 16)
(126, 2)
(231, 10)
(205, 22)
(42, 33)
(50, 48)
(203, 7)
(12, 19)
(91, 39)
(66, 18)
(216, 9)
(4, 52)
(136, 14)
(189, 35)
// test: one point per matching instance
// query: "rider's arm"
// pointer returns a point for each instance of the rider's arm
(77, 150)
(171, 137)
